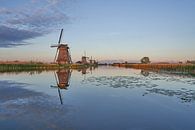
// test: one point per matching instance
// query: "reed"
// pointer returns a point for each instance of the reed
(167, 67)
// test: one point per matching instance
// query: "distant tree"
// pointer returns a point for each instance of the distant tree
(145, 60)
(190, 62)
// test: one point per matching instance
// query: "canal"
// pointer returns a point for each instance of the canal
(103, 98)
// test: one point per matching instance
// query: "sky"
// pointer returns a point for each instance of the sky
(128, 30)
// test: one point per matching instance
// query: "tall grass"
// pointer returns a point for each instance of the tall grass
(168, 67)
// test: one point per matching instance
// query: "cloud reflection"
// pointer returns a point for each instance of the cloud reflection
(23, 108)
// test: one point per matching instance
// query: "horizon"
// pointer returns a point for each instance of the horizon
(113, 30)
(100, 62)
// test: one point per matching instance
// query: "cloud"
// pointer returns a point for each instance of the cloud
(10, 37)
(30, 20)
(4, 11)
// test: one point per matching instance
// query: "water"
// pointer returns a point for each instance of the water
(106, 98)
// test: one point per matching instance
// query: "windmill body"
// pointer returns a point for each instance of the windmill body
(63, 54)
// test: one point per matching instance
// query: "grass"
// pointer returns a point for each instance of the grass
(38, 67)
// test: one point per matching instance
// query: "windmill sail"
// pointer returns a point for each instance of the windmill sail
(56, 55)
(59, 41)
(60, 38)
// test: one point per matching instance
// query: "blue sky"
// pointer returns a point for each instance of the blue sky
(164, 30)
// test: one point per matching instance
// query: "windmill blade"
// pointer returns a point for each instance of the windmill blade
(59, 41)
(60, 96)
(69, 75)
(56, 77)
(56, 81)
(56, 55)
(59, 92)
(69, 57)
(70, 60)
(54, 45)
(52, 86)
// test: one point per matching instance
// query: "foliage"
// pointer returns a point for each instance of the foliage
(145, 60)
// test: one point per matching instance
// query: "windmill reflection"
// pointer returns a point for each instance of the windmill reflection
(92, 68)
(83, 71)
(87, 70)
(62, 77)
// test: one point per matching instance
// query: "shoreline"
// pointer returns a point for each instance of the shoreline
(40, 66)
(167, 67)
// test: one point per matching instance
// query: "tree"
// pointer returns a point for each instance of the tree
(145, 60)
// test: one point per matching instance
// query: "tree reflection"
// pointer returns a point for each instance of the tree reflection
(145, 73)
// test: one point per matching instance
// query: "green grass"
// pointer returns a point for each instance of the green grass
(38, 67)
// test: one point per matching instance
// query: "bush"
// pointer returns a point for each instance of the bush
(145, 60)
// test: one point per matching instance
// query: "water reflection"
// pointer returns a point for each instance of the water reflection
(92, 68)
(88, 70)
(149, 84)
(84, 71)
(62, 78)
(137, 97)
(145, 73)
(185, 95)
(120, 81)
(30, 72)
(21, 108)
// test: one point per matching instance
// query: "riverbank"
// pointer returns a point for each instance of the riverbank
(40, 66)
(167, 67)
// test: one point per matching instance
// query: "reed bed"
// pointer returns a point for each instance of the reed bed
(167, 67)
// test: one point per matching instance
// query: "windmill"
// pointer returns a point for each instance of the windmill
(91, 61)
(84, 59)
(62, 55)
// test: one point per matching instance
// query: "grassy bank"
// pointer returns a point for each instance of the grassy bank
(37, 67)
(167, 67)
